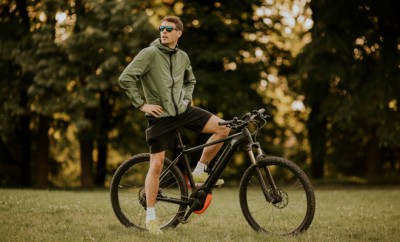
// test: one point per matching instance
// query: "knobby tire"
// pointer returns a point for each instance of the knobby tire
(295, 210)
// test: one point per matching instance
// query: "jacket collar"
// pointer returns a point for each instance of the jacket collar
(163, 48)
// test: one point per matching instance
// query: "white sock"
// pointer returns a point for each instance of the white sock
(150, 214)
(199, 168)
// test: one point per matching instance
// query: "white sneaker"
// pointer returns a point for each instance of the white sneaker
(153, 227)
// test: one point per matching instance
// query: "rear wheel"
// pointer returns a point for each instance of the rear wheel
(293, 208)
(128, 197)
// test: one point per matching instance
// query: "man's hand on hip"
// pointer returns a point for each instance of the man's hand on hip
(153, 110)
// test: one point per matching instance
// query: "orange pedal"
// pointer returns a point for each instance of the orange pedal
(206, 204)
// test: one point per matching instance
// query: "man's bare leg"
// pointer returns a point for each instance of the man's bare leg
(151, 188)
(219, 132)
(153, 177)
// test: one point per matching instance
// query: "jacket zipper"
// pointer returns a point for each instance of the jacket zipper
(173, 84)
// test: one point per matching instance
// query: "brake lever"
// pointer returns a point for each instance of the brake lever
(247, 115)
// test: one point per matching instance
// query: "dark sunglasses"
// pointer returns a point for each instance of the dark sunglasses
(168, 28)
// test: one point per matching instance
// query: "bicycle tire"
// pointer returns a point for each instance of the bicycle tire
(128, 195)
(292, 215)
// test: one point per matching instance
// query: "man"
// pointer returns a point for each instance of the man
(168, 82)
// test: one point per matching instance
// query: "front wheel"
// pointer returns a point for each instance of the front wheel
(293, 206)
(128, 197)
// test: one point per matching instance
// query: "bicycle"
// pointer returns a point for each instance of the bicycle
(264, 190)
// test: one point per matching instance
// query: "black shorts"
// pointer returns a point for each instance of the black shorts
(160, 132)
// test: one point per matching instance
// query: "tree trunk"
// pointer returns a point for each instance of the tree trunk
(374, 163)
(86, 155)
(24, 135)
(102, 140)
(42, 153)
(101, 163)
(23, 132)
(317, 138)
(87, 140)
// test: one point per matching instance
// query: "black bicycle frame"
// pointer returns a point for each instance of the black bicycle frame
(235, 141)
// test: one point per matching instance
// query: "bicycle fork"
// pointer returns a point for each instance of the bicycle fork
(254, 160)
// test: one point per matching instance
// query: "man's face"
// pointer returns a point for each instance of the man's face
(169, 39)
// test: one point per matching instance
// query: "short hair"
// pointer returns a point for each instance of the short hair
(174, 19)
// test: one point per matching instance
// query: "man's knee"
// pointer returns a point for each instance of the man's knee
(213, 127)
(222, 131)
(156, 163)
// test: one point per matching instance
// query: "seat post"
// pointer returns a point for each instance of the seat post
(187, 169)
(181, 146)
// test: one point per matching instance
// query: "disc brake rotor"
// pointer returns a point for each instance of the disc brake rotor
(281, 198)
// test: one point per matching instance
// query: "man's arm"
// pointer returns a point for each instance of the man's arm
(131, 76)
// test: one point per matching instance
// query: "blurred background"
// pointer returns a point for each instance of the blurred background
(328, 72)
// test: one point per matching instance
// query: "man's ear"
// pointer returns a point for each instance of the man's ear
(179, 33)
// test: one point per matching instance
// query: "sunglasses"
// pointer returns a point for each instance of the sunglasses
(168, 28)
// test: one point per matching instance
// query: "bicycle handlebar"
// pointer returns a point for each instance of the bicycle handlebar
(246, 119)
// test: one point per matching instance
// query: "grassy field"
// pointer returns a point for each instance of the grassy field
(342, 214)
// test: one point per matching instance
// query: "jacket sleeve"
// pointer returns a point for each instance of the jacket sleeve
(188, 83)
(132, 74)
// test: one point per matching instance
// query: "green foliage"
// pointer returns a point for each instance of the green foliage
(104, 38)
(213, 39)
(14, 112)
(60, 62)
(68, 76)
(349, 76)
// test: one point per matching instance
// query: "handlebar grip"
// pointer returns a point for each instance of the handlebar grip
(257, 113)
(224, 123)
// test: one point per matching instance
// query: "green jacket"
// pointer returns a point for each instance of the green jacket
(166, 76)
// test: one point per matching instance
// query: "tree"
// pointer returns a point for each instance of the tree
(97, 50)
(214, 40)
(55, 79)
(348, 75)
(15, 116)
(49, 64)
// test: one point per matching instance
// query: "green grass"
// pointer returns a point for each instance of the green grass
(353, 214)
